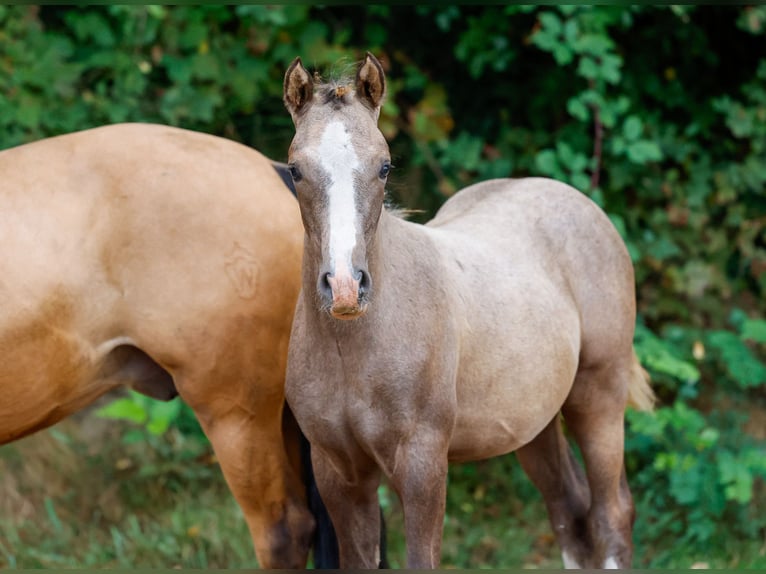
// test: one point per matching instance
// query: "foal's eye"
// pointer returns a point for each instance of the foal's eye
(384, 170)
(295, 173)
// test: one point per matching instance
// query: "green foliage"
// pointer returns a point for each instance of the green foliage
(663, 360)
(739, 362)
(696, 471)
(700, 484)
(136, 408)
(658, 113)
(201, 67)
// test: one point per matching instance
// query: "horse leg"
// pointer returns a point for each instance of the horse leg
(594, 413)
(351, 499)
(550, 464)
(245, 427)
(420, 480)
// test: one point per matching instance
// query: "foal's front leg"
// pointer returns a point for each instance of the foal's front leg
(419, 477)
(351, 498)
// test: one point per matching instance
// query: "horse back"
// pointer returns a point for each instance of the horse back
(174, 242)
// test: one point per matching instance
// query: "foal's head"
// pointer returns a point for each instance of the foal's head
(339, 162)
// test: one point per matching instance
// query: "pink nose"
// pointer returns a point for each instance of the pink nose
(345, 296)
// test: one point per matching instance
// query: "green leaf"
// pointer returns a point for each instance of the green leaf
(577, 109)
(744, 368)
(205, 67)
(580, 181)
(754, 330)
(125, 409)
(663, 248)
(594, 44)
(193, 34)
(588, 68)
(562, 54)
(643, 151)
(551, 23)
(161, 415)
(632, 128)
(736, 478)
(547, 163)
(658, 356)
(686, 481)
(610, 68)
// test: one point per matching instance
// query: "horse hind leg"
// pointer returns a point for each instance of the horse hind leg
(594, 413)
(551, 466)
(244, 423)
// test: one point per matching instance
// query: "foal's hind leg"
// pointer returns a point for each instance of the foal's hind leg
(594, 413)
(550, 464)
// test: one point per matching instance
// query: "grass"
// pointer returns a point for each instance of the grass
(94, 493)
(77, 496)
(495, 519)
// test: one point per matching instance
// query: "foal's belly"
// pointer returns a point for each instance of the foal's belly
(514, 375)
(490, 431)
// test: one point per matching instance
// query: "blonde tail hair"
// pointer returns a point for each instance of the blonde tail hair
(640, 394)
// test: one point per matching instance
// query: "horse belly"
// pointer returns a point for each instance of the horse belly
(50, 359)
(46, 375)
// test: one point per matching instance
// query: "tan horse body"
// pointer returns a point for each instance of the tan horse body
(414, 346)
(168, 261)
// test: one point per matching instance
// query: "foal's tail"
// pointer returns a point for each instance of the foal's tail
(326, 554)
(640, 394)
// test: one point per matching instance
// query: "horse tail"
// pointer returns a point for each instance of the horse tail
(326, 554)
(325, 543)
(640, 394)
(383, 542)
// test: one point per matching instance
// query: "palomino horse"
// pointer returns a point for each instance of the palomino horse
(167, 261)
(463, 339)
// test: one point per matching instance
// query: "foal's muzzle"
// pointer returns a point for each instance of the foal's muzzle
(346, 293)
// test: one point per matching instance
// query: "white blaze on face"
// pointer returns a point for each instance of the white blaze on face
(337, 157)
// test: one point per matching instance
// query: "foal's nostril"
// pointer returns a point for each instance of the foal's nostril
(324, 285)
(365, 282)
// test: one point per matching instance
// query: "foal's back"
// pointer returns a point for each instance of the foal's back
(545, 225)
(544, 286)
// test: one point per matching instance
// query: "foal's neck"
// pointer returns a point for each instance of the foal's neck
(397, 243)
(402, 261)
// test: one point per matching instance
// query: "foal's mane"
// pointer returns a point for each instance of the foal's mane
(402, 212)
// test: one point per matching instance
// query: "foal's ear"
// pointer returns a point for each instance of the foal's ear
(371, 83)
(298, 88)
